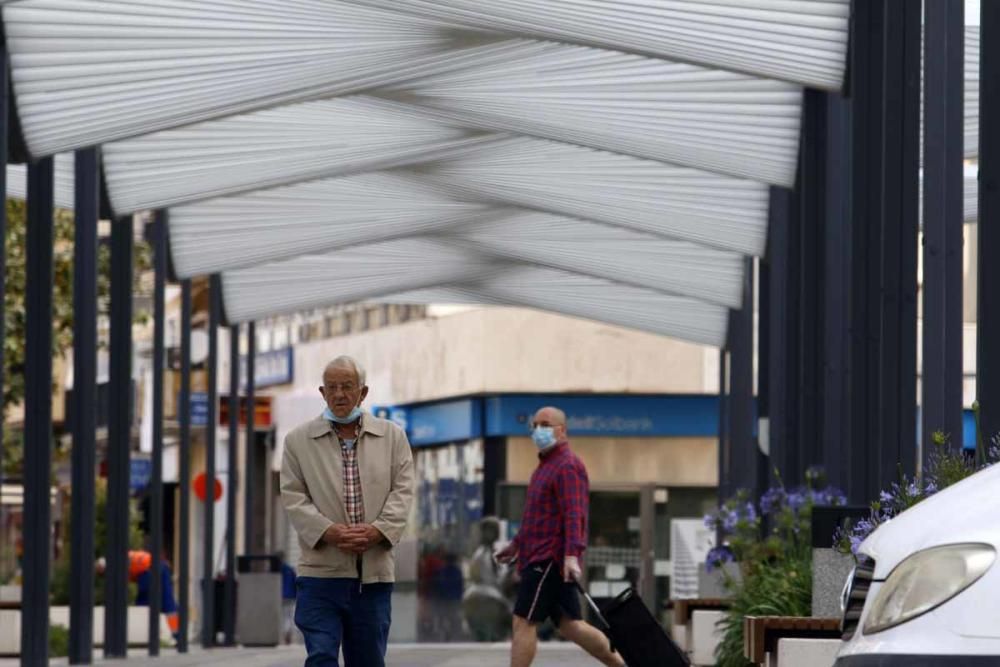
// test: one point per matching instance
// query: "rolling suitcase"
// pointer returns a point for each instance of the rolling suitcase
(635, 633)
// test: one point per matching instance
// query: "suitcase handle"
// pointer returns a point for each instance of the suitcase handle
(593, 605)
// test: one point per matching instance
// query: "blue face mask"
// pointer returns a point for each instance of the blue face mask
(349, 419)
(543, 437)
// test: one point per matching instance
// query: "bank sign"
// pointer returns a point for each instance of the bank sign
(590, 415)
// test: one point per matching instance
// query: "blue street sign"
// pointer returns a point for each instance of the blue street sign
(140, 474)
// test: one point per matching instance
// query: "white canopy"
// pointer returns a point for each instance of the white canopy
(604, 159)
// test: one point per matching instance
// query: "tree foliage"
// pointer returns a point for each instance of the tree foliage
(62, 304)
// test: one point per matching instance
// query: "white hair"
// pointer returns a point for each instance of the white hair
(344, 361)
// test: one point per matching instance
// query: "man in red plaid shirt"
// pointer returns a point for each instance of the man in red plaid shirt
(549, 546)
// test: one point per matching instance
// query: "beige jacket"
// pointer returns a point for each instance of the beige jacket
(312, 490)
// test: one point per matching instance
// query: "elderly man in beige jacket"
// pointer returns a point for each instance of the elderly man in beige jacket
(347, 485)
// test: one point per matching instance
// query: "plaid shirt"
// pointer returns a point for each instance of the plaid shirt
(353, 502)
(555, 513)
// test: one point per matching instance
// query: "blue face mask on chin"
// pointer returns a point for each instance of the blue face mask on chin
(543, 437)
(349, 419)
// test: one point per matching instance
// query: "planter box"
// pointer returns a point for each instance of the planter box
(830, 570)
(711, 585)
(138, 627)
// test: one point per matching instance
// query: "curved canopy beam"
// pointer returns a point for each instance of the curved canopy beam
(309, 283)
(791, 40)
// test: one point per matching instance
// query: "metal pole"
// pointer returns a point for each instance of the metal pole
(82, 520)
(251, 444)
(988, 359)
(810, 255)
(866, 90)
(724, 487)
(119, 441)
(836, 295)
(4, 87)
(229, 610)
(156, 483)
(184, 419)
(782, 336)
(944, 52)
(208, 561)
(886, 118)
(37, 416)
(742, 461)
(900, 232)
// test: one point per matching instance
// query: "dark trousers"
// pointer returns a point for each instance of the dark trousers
(331, 612)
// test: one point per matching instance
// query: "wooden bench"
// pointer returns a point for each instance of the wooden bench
(761, 633)
(684, 608)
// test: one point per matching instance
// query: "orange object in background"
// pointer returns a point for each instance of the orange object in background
(199, 485)
(138, 562)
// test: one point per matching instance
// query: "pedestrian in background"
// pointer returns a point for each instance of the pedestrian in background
(287, 599)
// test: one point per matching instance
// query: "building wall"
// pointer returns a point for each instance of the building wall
(508, 350)
(629, 461)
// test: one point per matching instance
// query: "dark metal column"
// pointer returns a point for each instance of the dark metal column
(783, 341)
(988, 355)
(229, 609)
(742, 452)
(208, 561)
(82, 522)
(37, 416)
(184, 419)
(866, 89)
(250, 465)
(900, 232)
(808, 260)
(4, 101)
(885, 91)
(836, 291)
(119, 441)
(764, 370)
(724, 488)
(944, 51)
(156, 483)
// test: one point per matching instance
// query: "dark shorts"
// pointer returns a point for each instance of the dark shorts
(543, 594)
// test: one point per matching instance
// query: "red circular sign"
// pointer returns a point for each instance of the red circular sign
(199, 487)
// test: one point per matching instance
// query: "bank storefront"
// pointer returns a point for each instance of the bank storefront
(651, 459)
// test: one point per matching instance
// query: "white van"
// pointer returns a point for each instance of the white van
(926, 590)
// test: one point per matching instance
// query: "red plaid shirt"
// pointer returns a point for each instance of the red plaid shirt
(555, 513)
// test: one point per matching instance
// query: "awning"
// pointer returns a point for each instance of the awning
(425, 272)
(789, 40)
(609, 160)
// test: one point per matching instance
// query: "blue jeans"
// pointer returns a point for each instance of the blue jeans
(331, 612)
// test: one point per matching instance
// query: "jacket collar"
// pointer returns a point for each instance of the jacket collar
(320, 426)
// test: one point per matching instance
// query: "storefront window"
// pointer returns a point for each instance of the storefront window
(449, 507)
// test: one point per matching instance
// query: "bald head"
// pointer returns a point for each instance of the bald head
(551, 416)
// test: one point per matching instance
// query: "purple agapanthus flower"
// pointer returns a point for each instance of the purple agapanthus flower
(717, 557)
(796, 500)
(886, 497)
(772, 500)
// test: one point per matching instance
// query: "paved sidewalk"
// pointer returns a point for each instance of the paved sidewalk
(400, 655)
